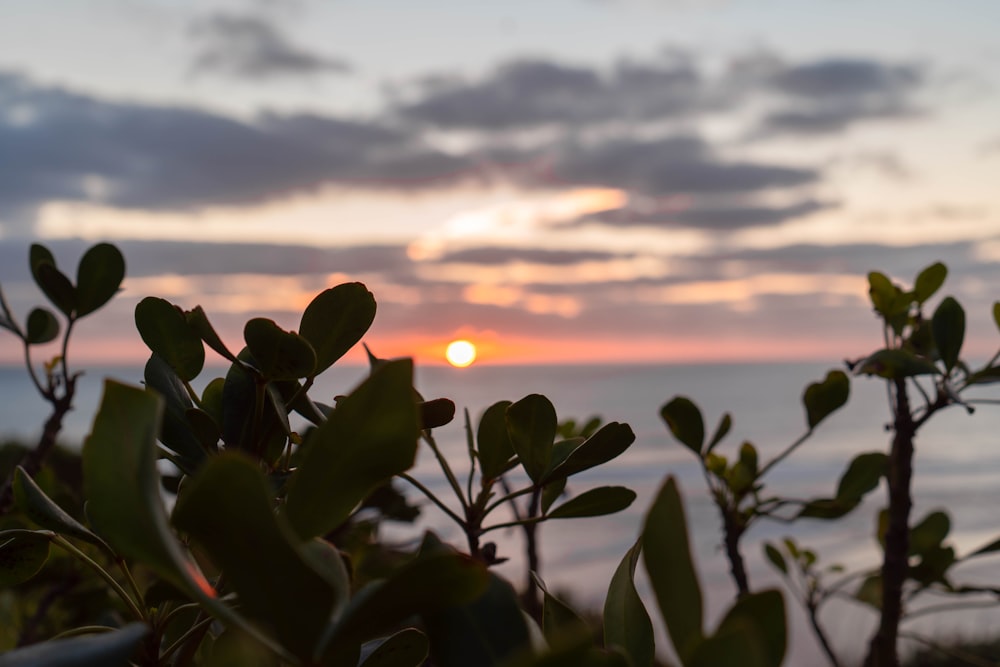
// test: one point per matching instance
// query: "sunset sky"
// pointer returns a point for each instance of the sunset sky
(555, 180)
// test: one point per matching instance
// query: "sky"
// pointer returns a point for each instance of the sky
(559, 181)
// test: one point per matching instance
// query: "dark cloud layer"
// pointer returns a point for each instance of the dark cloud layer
(505, 255)
(249, 47)
(715, 218)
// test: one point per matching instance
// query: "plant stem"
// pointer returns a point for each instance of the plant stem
(781, 457)
(532, 600)
(812, 609)
(434, 499)
(446, 469)
(882, 648)
(734, 531)
(104, 574)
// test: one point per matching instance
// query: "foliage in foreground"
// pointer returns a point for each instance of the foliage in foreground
(270, 554)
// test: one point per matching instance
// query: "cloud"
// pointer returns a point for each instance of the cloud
(537, 92)
(672, 165)
(248, 47)
(506, 255)
(717, 218)
(60, 145)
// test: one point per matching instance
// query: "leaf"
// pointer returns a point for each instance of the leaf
(108, 649)
(426, 585)
(43, 327)
(406, 648)
(777, 560)
(754, 630)
(53, 282)
(894, 363)
(41, 509)
(721, 431)
(870, 591)
(226, 508)
(684, 420)
(22, 555)
(626, 622)
(990, 548)
(604, 445)
(165, 331)
(667, 556)
(595, 502)
(436, 412)
(98, 277)
(532, 425)
(370, 437)
(948, 325)
(198, 321)
(493, 441)
(280, 355)
(862, 476)
(929, 281)
(486, 632)
(884, 295)
(551, 492)
(996, 313)
(336, 320)
(987, 375)
(823, 398)
(121, 486)
(175, 430)
(929, 533)
(558, 618)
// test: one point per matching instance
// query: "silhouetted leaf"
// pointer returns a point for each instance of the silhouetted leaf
(775, 557)
(929, 281)
(493, 441)
(108, 649)
(990, 548)
(721, 431)
(98, 277)
(595, 502)
(870, 591)
(436, 412)
(823, 398)
(280, 355)
(558, 618)
(929, 533)
(948, 325)
(370, 436)
(406, 648)
(43, 326)
(336, 320)
(53, 282)
(198, 321)
(862, 476)
(667, 556)
(607, 443)
(626, 622)
(532, 425)
(753, 632)
(227, 509)
(41, 509)
(22, 555)
(684, 420)
(175, 431)
(165, 331)
(895, 363)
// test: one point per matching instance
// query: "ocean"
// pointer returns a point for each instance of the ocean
(957, 467)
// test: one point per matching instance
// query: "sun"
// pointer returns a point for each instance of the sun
(460, 353)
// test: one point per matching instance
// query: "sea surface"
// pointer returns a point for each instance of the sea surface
(957, 467)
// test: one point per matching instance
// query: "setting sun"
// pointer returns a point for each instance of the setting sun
(460, 353)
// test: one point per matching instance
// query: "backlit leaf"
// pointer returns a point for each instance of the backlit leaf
(684, 420)
(493, 441)
(53, 282)
(595, 502)
(823, 398)
(22, 555)
(335, 321)
(607, 443)
(532, 425)
(929, 281)
(948, 325)
(43, 326)
(280, 355)
(626, 622)
(165, 331)
(108, 649)
(98, 277)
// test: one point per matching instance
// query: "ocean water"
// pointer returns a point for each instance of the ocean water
(957, 467)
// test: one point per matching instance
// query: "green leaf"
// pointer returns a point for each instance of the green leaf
(198, 321)
(165, 331)
(109, 649)
(53, 282)
(426, 585)
(777, 560)
(595, 502)
(532, 425)
(227, 509)
(493, 441)
(667, 556)
(22, 555)
(721, 431)
(929, 533)
(948, 325)
(551, 492)
(862, 476)
(336, 320)
(406, 648)
(988, 375)
(98, 277)
(626, 622)
(607, 443)
(894, 363)
(885, 297)
(990, 548)
(558, 618)
(996, 313)
(929, 281)
(486, 632)
(870, 591)
(43, 326)
(280, 355)
(754, 630)
(41, 509)
(122, 488)
(823, 398)
(684, 420)
(370, 437)
(175, 430)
